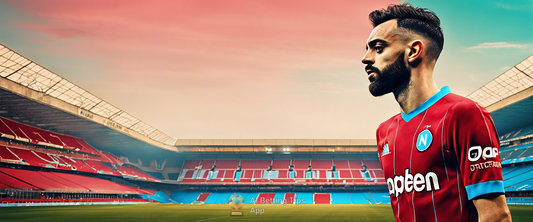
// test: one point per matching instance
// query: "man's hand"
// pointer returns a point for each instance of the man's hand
(492, 207)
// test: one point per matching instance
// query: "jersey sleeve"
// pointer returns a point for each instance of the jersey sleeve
(475, 144)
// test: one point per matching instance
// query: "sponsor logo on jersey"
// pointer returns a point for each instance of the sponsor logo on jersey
(485, 165)
(385, 150)
(408, 182)
(424, 140)
(475, 153)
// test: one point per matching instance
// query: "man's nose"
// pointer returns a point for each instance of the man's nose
(368, 58)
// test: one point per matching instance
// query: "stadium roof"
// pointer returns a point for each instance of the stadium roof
(514, 80)
(277, 145)
(23, 71)
(509, 97)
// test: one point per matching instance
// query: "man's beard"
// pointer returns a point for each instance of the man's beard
(393, 76)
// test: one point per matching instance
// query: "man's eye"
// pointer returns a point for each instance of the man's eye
(378, 48)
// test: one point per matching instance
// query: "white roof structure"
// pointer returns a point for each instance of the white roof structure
(511, 82)
(21, 70)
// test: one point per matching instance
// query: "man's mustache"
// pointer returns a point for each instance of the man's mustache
(374, 69)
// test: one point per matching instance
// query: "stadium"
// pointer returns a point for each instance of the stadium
(63, 146)
(67, 153)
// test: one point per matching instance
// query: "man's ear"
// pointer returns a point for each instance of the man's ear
(415, 52)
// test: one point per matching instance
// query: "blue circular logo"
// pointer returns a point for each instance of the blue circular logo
(424, 140)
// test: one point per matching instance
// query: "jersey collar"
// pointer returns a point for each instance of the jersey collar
(428, 103)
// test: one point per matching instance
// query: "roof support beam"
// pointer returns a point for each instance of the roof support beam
(524, 94)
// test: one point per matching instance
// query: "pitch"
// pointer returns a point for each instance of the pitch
(176, 212)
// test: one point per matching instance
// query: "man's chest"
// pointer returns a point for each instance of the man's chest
(417, 145)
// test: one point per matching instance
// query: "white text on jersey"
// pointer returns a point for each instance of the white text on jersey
(408, 183)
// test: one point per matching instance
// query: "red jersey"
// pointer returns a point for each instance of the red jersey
(438, 157)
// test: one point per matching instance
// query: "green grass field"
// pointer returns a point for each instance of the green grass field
(175, 212)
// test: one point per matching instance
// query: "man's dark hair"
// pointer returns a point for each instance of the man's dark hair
(419, 21)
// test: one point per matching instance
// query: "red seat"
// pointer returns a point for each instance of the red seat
(229, 174)
(265, 198)
(191, 164)
(99, 166)
(203, 196)
(133, 171)
(301, 164)
(283, 174)
(6, 155)
(227, 164)
(289, 198)
(355, 164)
(281, 164)
(322, 198)
(341, 164)
(345, 174)
(321, 164)
(372, 164)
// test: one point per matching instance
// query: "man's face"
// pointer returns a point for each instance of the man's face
(384, 59)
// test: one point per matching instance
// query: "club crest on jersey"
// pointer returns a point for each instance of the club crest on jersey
(385, 150)
(424, 140)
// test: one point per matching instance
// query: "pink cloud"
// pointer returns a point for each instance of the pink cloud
(227, 34)
(244, 50)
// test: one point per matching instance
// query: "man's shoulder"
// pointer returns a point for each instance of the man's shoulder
(454, 98)
(389, 121)
(462, 104)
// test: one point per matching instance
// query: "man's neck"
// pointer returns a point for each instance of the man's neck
(420, 88)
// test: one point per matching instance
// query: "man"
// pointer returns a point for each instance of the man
(440, 155)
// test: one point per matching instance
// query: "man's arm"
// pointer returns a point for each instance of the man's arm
(492, 207)
(476, 141)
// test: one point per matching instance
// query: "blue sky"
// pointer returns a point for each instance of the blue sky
(482, 39)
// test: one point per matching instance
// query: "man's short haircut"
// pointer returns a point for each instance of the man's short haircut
(419, 21)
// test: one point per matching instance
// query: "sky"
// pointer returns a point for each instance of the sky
(241, 69)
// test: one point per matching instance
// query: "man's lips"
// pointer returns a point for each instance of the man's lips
(370, 72)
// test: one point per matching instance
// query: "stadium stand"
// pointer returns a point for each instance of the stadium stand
(254, 171)
(340, 198)
(517, 177)
(322, 198)
(289, 198)
(517, 165)
(202, 197)
(14, 130)
(193, 171)
(133, 172)
(159, 197)
(56, 181)
(374, 197)
(514, 152)
(219, 198)
(185, 197)
(381, 197)
(304, 198)
(54, 158)
(265, 198)
(101, 167)
(518, 133)
(13, 182)
(156, 175)
(358, 198)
